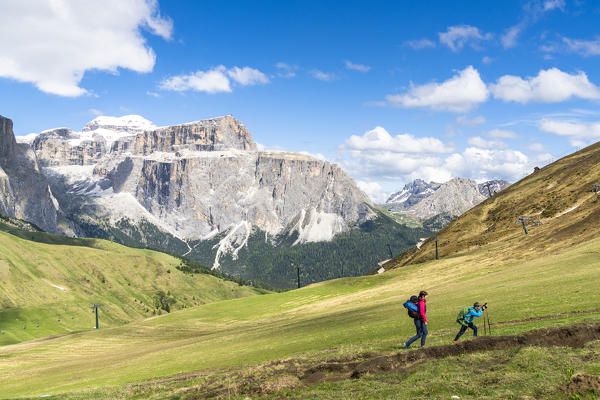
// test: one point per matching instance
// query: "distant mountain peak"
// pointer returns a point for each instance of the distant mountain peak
(423, 200)
(126, 123)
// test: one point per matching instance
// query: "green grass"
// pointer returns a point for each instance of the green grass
(348, 315)
(520, 373)
(48, 284)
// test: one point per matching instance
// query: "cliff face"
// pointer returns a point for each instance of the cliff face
(24, 190)
(214, 134)
(198, 180)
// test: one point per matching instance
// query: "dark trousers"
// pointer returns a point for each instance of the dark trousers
(463, 329)
(421, 333)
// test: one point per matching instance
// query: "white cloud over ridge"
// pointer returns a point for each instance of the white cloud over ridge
(375, 159)
(549, 86)
(461, 93)
(53, 43)
(215, 80)
(456, 37)
(579, 133)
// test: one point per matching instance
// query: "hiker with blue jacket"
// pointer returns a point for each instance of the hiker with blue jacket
(417, 308)
(466, 317)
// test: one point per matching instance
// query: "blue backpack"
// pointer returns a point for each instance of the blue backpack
(412, 306)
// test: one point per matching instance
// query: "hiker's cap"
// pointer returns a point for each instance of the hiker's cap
(476, 304)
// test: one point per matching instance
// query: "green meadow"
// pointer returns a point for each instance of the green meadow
(48, 284)
(237, 340)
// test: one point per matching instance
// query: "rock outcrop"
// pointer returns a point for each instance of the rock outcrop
(197, 180)
(24, 190)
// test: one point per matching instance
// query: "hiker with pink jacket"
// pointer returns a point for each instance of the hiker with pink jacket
(417, 310)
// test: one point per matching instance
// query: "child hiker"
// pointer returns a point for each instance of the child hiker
(420, 320)
(466, 317)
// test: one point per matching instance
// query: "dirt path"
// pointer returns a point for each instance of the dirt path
(291, 373)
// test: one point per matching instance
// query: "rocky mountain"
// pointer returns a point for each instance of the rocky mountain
(421, 200)
(202, 189)
(196, 180)
(24, 190)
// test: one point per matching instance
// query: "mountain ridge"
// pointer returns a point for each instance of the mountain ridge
(421, 200)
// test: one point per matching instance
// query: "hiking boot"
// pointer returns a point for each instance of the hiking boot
(455, 341)
(405, 346)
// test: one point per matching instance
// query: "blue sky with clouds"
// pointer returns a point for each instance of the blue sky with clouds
(391, 91)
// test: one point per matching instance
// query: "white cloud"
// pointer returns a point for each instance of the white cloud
(502, 134)
(460, 35)
(462, 92)
(579, 133)
(322, 76)
(509, 38)
(247, 76)
(216, 80)
(374, 190)
(549, 86)
(537, 147)
(53, 43)
(95, 112)
(478, 141)
(420, 44)
(464, 121)
(534, 10)
(479, 164)
(357, 67)
(380, 158)
(585, 48)
(554, 4)
(152, 94)
(487, 60)
(211, 81)
(287, 70)
(379, 139)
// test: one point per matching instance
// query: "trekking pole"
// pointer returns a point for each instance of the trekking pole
(488, 319)
(484, 328)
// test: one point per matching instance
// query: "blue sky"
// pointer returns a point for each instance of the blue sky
(391, 91)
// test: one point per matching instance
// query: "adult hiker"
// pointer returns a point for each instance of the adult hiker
(419, 318)
(466, 317)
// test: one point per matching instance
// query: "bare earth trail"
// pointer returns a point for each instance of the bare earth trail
(291, 373)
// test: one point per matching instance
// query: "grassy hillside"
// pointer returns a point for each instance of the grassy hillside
(558, 199)
(336, 320)
(48, 284)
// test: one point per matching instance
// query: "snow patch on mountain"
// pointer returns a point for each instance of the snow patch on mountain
(318, 226)
(29, 138)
